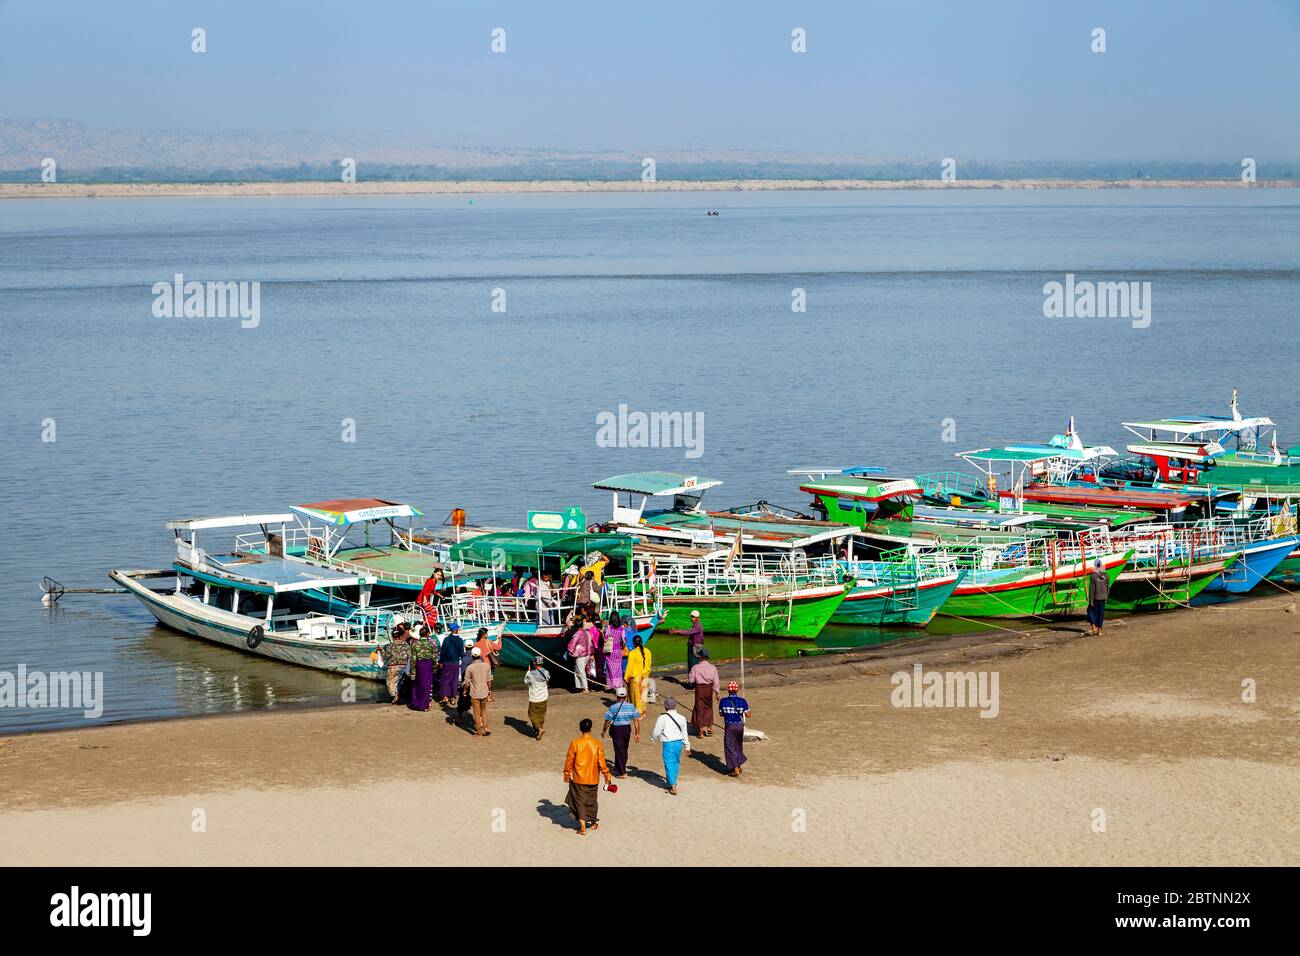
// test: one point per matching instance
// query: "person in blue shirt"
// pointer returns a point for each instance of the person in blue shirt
(734, 709)
(622, 720)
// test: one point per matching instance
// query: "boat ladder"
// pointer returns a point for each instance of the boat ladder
(904, 589)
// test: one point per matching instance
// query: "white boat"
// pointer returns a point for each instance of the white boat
(267, 604)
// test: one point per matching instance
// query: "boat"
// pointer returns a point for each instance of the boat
(761, 526)
(478, 567)
(264, 603)
(756, 596)
(1169, 567)
(1262, 551)
(899, 589)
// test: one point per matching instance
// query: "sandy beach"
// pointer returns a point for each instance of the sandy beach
(433, 188)
(1146, 725)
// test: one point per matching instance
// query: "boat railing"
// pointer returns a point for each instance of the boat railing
(947, 484)
(765, 575)
(760, 508)
(632, 595)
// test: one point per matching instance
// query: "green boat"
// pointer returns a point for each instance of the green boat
(899, 590)
(1151, 586)
(781, 611)
(1030, 590)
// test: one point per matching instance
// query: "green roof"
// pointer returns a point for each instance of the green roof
(1011, 454)
(656, 483)
(528, 547)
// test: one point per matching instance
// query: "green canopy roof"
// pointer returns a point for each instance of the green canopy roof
(528, 547)
(656, 483)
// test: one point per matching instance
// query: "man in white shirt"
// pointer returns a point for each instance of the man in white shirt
(536, 680)
(670, 730)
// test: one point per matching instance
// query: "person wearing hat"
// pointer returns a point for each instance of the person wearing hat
(694, 639)
(708, 688)
(671, 731)
(450, 673)
(478, 684)
(537, 680)
(1098, 594)
(734, 711)
(622, 720)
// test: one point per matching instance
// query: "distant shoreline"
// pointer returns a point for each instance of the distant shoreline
(471, 187)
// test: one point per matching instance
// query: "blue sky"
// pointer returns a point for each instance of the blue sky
(1179, 80)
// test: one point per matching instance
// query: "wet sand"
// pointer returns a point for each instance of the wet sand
(429, 187)
(1146, 725)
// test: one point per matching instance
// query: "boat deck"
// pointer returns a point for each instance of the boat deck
(274, 572)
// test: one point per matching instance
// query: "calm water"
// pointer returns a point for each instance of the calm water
(920, 307)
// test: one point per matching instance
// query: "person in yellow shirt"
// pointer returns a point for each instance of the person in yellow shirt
(583, 766)
(636, 672)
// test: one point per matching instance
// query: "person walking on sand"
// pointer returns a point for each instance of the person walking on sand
(694, 639)
(397, 655)
(622, 720)
(537, 680)
(478, 684)
(583, 766)
(734, 711)
(462, 693)
(704, 676)
(1098, 594)
(449, 669)
(636, 671)
(424, 654)
(671, 731)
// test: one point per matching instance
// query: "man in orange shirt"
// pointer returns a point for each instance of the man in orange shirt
(583, 766)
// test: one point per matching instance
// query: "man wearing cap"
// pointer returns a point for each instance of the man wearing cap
(670, 730)
(734, 710)
(478, 685)
(704, 676)
(583, 766)
(537, 680)
(694, 639)
(450, 675)
(1098, 595)
(622, 720)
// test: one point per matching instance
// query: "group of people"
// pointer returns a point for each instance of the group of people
(585, 763)
(418, 656)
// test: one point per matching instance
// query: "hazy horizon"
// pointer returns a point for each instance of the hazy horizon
(1015, 82)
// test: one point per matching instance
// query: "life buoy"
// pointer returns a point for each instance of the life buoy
(255, 636)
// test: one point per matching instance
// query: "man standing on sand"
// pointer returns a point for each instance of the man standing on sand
(583, 766)
(478, 684)
(671, 731)
(734, 711)
(707, 691)
(622, 720)
(694, 639)
(1098, 594)
(537, 680)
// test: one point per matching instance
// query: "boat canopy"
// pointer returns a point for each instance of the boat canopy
(1031, 452)
(656, 483)
(1200, 425)
(346, 511)
(863, 489)
(1184, 450)
(268, 574)
(227, 521)
(514, 547)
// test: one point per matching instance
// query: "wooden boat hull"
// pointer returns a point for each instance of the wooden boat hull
(1029, 592)
(803, 617)
(881, 606)
(1161, 589)
(189, 616)
(1258, 560)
